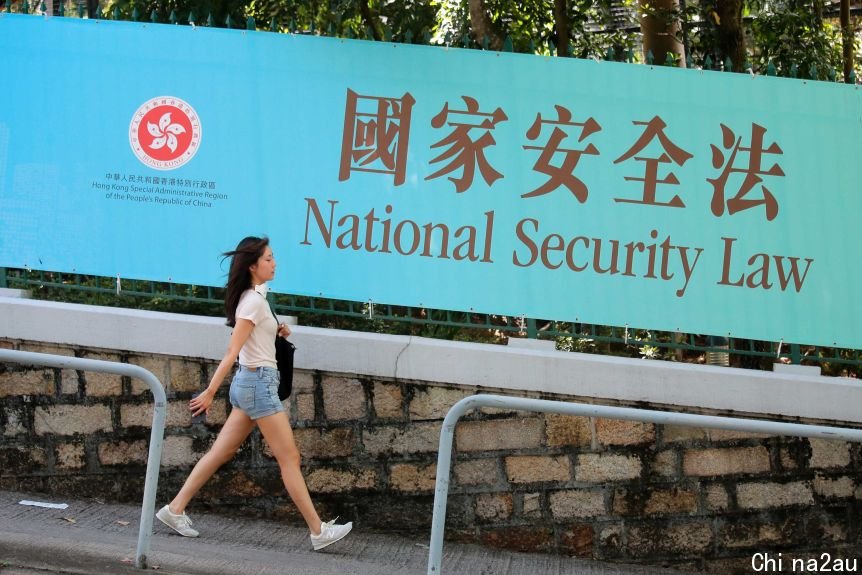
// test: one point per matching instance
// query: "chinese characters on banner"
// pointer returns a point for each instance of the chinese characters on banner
(377, 135)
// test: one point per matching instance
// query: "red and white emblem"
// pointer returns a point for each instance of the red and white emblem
(165, 133)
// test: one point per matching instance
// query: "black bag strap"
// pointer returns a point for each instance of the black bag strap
(272, 311)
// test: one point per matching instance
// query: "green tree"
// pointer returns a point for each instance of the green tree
(794, 35)
(796, 32)
(580, 28)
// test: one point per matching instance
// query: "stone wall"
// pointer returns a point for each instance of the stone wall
(596, 488)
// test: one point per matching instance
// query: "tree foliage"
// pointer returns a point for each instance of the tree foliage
(796, 32)
(531, 26)
(800, 37)
(794, 35)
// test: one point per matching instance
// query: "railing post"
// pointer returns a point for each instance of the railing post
(441, 488)
(795, 354)
(532, 331)
(447, 434)
(157, 434)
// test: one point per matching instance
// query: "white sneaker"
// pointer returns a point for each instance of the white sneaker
(179, 523)
(330, 533)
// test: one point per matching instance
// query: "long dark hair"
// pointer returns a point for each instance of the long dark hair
(246, 254)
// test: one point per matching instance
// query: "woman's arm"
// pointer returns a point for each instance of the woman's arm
(241, 331)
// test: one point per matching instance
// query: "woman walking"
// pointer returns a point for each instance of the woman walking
(253, 395)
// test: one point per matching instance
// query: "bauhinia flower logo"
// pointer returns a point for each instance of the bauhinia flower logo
(165, 133)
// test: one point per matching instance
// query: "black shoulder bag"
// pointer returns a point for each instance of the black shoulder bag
(284, 358)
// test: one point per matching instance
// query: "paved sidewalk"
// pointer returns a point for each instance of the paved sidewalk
(95, 538)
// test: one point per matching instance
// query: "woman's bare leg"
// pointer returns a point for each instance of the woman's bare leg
(279, 436)
(235, 430)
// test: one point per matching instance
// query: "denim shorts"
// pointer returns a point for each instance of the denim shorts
(256, 392)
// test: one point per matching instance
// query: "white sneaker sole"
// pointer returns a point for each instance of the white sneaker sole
(328, 543)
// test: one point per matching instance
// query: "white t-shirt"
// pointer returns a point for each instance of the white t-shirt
(259, 348)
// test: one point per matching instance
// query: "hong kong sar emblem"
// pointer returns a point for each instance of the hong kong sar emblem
(165, 133)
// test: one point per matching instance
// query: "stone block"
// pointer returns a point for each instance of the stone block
(15, 424)
(679, 433)
(318, 443)
(178, 451)
(388, 401)
(217, 414)
(327, 480)
(624, 502)
(408, 477)
(611, 540)
(185, 376)
(756, 534)
(477, 472)
(51, 349)
(72, 419)
(773, 495)
(418, 438)
(620, 432)
(567, 430)
(577, 540)
(828, 453)
(577, 503)
(828, 531)
(20, 460)
(27, 382)
(70, 456)
(727, 461)
(241, 485)
(537, 468)
(716, 498)
(715, 435)
(532, 505)
(671, 501)
(788, 459)
(665, 464)
(98, 384)
(343, 399)
(102, 384)
(434, 402)
(503, 434)
(178, 414)
(601, 467)
(304, 406)
(494, 506)
(838, 488)
(303, 381)
(155, 364)
(123, 452)
(69, 382)
(677, 540)
(525, 539)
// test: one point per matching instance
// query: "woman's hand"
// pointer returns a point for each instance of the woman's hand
(241, 331)
(201, 402)
(283, 330)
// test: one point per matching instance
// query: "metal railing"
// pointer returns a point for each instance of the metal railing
(154, 458)
(443, 324)
(447, 434)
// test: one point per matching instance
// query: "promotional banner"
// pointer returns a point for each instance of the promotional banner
(514, 184)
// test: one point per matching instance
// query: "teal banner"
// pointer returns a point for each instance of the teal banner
(513, 184)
